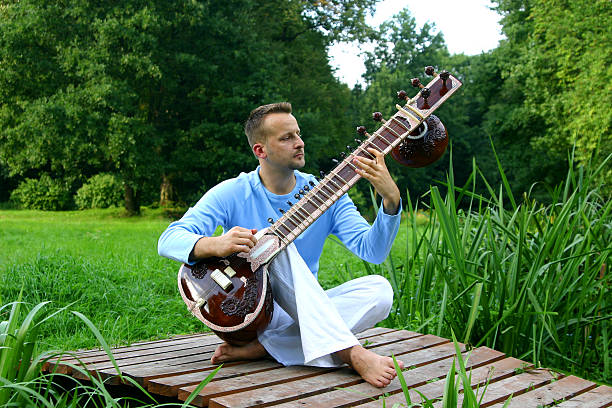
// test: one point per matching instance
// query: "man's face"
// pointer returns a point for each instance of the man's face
(283, 147)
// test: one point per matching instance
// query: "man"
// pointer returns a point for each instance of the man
(309, 326)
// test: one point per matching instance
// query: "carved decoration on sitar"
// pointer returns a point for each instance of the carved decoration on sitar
(233, 306)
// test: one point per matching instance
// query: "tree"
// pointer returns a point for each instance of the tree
(156, 92)
(547, 98)
(401, 54)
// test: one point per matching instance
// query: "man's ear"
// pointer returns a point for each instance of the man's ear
(260, 151)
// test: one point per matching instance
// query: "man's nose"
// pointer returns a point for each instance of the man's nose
(299, 143)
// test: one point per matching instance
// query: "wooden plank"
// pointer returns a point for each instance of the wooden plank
(88, 356)
(364, 392)
(143, 345)
(600, 397)
(153, 347)
(62, 363)
(552, 393)
(269, 378)
(144, 370)
(273, 394)
(198, 353)
(152, 369)
(103, 361)
(169, 385)
(492, 372)
(388, 338)
(516, 385)
(173, 367)
(409, 345)
(290, 389)
(374, 331)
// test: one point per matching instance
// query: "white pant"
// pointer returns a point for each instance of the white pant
(309, 325)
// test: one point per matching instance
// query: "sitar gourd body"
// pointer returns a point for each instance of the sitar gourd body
(232, 295)
(423, 146)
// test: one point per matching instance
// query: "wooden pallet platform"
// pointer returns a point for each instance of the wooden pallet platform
(174, 367)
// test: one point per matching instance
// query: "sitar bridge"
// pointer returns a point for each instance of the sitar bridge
(221, 279)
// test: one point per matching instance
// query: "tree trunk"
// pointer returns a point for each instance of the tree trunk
(166, 192)
(132, 204)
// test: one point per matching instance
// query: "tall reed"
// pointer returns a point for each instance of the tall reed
(22, 384)
(526, 278)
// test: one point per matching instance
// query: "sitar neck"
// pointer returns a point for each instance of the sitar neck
(318, 198)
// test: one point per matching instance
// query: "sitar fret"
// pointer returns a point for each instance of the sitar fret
(322, 195)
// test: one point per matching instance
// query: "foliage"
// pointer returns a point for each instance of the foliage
(42, 194)
(457, 386)
(528, 281)
(22, 384)
(563, 60)
(100, 191)
(548, 96)
(156, 92)
(536, 95)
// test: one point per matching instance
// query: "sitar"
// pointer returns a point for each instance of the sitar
(232, 295)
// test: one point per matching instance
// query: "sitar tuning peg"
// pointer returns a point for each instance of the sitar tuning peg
(281, 210)
(312, 184)
(322, 173)
(425, 92)
(444, 75)
(302, 191)
(289, 203)
(297, 196)
(361, 130)
(349, 148)
(402, 95)
(270, 220)
(429, 70)
(377, 116)
(306, 186)
(335, 161)
(358, 141)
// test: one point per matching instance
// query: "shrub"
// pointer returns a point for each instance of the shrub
(100, 191)
(42, 194)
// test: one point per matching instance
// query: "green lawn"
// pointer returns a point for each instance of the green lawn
(108, 266)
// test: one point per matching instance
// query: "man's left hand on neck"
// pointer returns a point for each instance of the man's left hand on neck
(375, 171)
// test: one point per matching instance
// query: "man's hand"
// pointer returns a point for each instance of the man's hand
(237, 239)
(376, 172)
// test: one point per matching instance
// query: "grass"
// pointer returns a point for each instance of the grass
(523, 277)
(458, 386)
(106, 267)
(23, 385)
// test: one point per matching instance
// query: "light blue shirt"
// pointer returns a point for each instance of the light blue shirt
(245, 202)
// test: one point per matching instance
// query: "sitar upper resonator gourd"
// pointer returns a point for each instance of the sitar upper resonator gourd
(232, 295)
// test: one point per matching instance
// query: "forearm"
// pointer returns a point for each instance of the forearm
(205, 247)
(391, 201)
(370, 242)
(237, 239)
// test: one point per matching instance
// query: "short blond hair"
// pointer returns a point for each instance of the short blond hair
(253, 128)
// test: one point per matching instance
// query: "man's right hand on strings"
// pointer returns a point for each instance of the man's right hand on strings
(237, 239)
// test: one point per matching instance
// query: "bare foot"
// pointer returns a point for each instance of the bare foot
(375, 369)
(227, 352)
